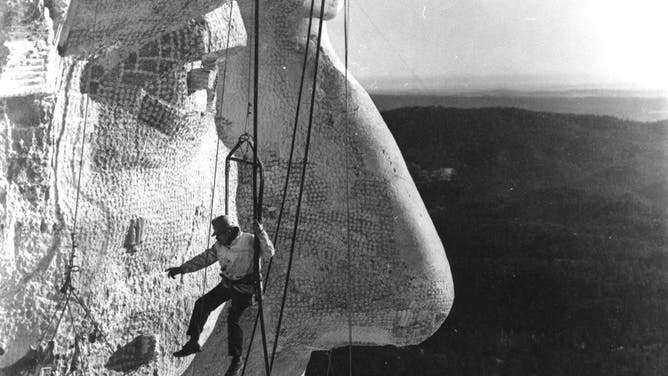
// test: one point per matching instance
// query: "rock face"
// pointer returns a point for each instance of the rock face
(136, 95)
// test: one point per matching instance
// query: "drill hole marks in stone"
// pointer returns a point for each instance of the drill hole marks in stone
(138, 352)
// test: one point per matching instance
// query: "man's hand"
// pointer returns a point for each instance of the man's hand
(257, 228)
(173, 272)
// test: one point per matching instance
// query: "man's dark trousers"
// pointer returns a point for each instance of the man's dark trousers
(209, 302)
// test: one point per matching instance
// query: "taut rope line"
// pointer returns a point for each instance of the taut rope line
(257, 201)
(303, 172)
(220, 107)
(285, 187)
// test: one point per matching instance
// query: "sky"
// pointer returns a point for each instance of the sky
(461, 45)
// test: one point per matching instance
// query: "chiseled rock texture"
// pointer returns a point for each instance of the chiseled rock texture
(138, 87)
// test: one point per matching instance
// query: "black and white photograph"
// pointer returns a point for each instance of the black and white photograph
(333, 187)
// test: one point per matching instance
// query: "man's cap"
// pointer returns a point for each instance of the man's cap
(222, 223)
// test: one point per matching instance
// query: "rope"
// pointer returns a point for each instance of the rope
(67, 287)
(53, 164)
(96, 325)
(304, 164)
(71, 268)
(53, 316)
(292, 146)
(303, 175)
(285, 190)
(349, 293)
(249, 107)
(213, 193)
(74, 327)
(77, 337)
(215, 166)
(257, 209)
(330, 365)
(62, 312)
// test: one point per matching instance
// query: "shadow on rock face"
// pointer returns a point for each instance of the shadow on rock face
(136, 353)
(34, 360)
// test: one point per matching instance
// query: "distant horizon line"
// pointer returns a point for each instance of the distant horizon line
(644, 93)
(532, 84)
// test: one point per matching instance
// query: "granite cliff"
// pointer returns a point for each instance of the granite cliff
(112, 113)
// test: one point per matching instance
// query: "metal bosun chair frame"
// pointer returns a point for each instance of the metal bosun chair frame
(245, 139)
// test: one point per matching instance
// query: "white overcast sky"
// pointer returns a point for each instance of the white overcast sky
(516, 44)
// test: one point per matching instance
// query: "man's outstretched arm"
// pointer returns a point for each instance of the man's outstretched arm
(196, 263)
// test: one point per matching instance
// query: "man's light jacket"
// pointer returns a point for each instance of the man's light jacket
(236, 260)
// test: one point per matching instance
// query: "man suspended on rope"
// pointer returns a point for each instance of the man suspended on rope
(234, 252)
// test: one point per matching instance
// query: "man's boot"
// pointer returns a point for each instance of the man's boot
(189, 348)
(235, 367)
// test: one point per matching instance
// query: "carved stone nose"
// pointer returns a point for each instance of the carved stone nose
(428, 293)
(399, 257)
